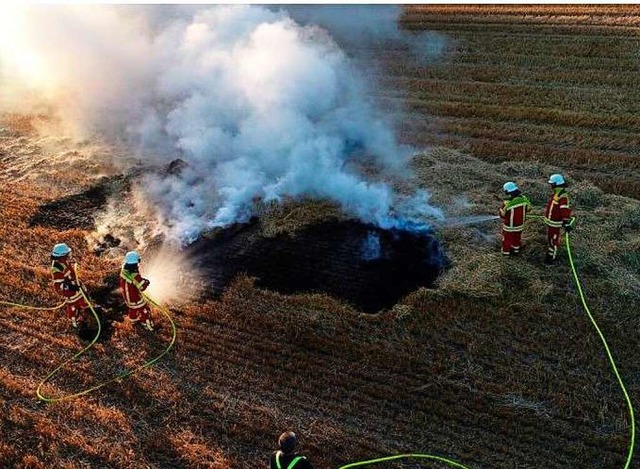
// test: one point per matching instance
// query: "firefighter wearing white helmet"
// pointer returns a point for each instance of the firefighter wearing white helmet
(513, 213)
(132, 284)
(557, 215)
(66, 283)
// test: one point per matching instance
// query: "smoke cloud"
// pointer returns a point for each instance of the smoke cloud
(256, 105)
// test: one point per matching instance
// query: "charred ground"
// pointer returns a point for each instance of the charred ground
(361, 264)
(498, 367)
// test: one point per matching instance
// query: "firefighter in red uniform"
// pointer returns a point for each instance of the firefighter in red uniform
(513, 213)
(557, 215)
(66, 283)
(132, 285)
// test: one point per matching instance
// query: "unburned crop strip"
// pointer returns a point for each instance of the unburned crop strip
(541, 134)
(555, 47)
(589, 99)
(518, 10)
(524, 19)
(532, 75)
(488, 27)
(540, 115)
(555, 58)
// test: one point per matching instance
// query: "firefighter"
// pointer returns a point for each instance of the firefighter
(285, 457)
(557, 215)
(513, 212)
(66, 283)
(132, 285)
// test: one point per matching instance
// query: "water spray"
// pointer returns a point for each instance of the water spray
(170, 276)
(454, 222)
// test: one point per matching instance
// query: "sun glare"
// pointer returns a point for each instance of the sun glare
(19, 60)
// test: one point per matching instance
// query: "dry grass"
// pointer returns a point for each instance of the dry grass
(290, 216)
(536, 83)
(497, 367)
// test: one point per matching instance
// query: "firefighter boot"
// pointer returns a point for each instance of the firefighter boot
(549, 260)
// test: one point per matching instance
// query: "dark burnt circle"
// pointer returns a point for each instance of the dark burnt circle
(363, 265)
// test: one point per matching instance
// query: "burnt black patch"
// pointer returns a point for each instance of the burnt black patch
(361, 264)
(79, 210)
(105, 244)
(89, 326)
(109, 308)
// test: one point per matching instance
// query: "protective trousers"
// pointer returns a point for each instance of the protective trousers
(511, 242)
(554, 239)
(140, 313)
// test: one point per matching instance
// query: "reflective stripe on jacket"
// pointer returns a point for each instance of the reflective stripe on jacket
(514, 212)
(292, 464)
(558, 209)
(131, 285)
(62, 274)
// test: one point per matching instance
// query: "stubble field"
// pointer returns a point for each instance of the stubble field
(499, 367)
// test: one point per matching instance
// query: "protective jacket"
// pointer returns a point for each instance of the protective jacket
(513, 213)
(132, 285)
(65, 280)
(558, 211)
(280, 460)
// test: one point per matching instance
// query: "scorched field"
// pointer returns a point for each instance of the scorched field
(498, 366)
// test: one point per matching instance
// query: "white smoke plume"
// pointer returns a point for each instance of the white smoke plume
(355, 27)
(256, 105)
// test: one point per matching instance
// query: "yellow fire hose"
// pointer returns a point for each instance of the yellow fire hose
(609, 356)
(450, 462)
(84, 350)
(18, 305)
(147, 364)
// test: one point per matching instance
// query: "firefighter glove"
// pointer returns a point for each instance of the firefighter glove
(567, 226)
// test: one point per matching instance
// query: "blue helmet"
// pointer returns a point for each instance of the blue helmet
(556, 179)
(510, 187)
(60, 250)
(132, 257)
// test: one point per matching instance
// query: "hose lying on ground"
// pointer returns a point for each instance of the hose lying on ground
(611, 362)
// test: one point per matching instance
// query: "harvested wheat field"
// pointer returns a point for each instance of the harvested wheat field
(283, 322)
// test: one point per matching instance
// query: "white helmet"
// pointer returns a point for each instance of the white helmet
(556, 179)
(60, 250)
(132, 257)
(510, 187)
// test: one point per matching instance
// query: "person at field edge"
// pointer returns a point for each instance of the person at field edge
(513, 213)
(66, 283)
(286, 457)
(132, 285)
(557, 215)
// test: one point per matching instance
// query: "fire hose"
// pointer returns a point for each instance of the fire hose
(350, 465)
(124, 374)
(611, 362)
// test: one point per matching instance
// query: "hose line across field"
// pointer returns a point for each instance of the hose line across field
(406, 456)
(609, 356)
(147, 364)
(37, 308)
(441, 459)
